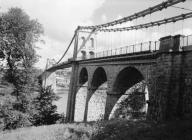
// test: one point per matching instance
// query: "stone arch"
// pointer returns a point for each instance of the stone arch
(99, 77)
(127, 80)
(97, 95)
(81, 95)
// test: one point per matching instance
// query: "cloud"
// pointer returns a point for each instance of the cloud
(59, 18)
(184, 31)
(104, 18)
(50, 49)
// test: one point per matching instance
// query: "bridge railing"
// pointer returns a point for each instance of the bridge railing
(186, 41)
(131, 49)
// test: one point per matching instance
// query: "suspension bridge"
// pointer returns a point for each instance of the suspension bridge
(117, 55)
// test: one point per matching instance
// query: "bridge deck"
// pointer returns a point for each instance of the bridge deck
(121, 57)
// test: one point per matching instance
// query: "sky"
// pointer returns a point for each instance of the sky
(60, 18)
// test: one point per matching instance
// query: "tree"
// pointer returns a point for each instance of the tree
(18, 35)
(46, 110)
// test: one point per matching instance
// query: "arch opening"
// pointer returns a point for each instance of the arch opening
(126, 79)
(83, 77)
(99, 77)
(132, 87)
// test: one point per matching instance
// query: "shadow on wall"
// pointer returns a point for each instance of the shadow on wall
(96, 106)
(80, 102)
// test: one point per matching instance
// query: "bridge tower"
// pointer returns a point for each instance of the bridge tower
(88, 51)
(50, 78)
(73, 82)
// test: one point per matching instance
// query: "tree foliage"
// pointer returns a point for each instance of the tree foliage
(46, 110)
(10, 118)
(29, 103)
(132, 107)
(18, 35)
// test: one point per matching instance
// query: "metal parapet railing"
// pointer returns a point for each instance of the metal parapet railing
(149, 46)
(186, 41)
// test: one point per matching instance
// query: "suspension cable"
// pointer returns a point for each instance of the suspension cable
(143, 13)
(182, 8)
(137, 15)
(66, 49)
(150, 24)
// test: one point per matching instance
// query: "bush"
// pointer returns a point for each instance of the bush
(16, 119)
(132, 107)
(11, 118)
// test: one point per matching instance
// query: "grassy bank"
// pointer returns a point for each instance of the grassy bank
(51, 132)
(106, 130)
(143, 130)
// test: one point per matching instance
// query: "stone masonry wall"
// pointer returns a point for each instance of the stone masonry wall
(187, 84)
(171, 86)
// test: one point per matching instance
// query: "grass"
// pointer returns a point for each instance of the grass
(105, 130)
(51, 132)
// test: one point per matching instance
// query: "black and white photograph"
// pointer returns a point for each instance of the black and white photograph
(95, 69)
